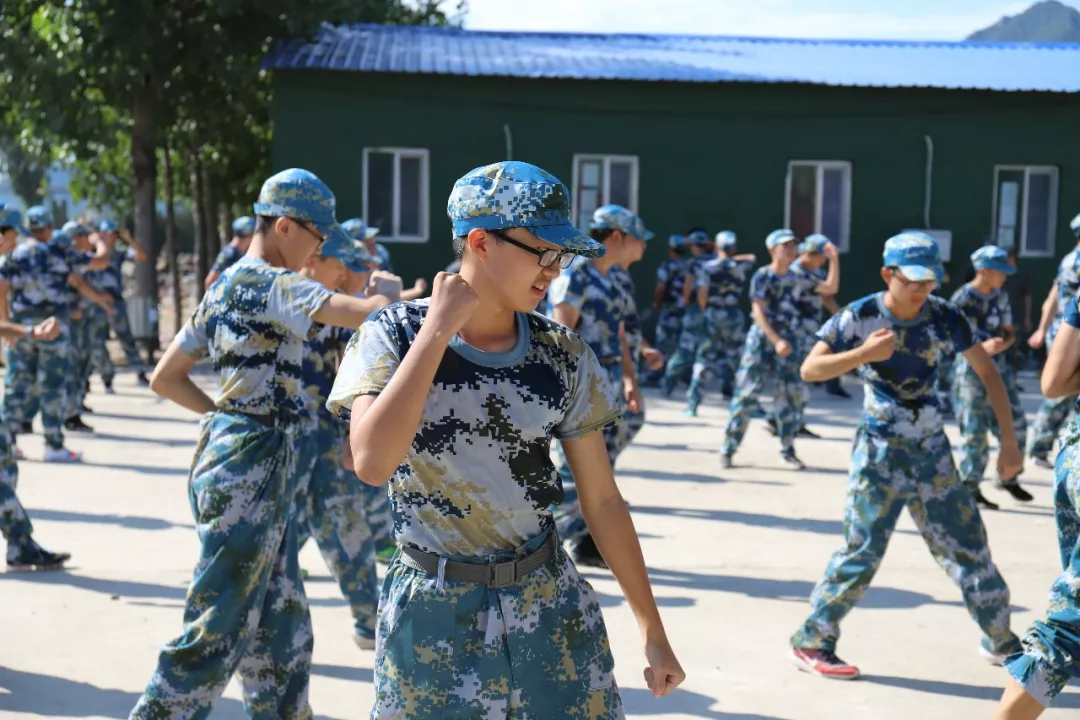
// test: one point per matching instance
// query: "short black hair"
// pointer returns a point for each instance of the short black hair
(462, 241)
(1013, 251)
(696, 228)
(601, 235)
(5, 228)
(263, 223)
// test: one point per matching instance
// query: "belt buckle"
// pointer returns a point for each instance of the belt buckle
(503, 575)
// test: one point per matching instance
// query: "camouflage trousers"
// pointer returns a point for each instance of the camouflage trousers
(718, 356)
(691, 337)
(329, 506)
(98, 330)
(760, 363)
(121, 327)
(1051, 653)
(538, 649)
(569, 521)
(888, 474)
(79, 370)
(975, 416)
(37, 377)
(14, 522)
(245, 612)
(668, 327)
(1048, 423)
(943, 383)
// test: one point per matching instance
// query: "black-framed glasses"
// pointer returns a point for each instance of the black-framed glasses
(928, 285)
(320, 238)
(544, 258)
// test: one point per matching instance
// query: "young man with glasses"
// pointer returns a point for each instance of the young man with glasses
(895, 340)
(454, 401)
(587, 299)
(246, 611)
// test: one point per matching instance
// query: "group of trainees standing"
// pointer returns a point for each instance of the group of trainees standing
(60, 294)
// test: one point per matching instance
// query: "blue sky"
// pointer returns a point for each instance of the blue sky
(869, 19)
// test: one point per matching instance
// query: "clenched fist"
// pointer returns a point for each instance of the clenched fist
(880, 346)
(452, 302)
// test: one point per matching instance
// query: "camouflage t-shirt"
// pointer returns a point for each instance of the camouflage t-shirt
(253, 323)
(600, 303)
(672, 275)
(110, 279)
(37, 276)
(1067, 284)
(229, 256)
(725, 278)
(321, 355)
(478, 477)
(780, 294)
(900, 399)
(811, 304)
(635, 333)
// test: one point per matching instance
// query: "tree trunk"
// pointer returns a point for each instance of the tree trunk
(144, 165)
(202, 262)
(213, 237)
(225, 222)
(171, 253)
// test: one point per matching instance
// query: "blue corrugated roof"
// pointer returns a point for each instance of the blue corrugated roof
(1053, 67)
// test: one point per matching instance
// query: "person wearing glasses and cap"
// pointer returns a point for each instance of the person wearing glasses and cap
(770, 348)
(327, 493)
(668, 300)
(902, 458)
(454, 401)
(1054, 412)
(110, 279)
(245, 611)
(36, 282)
(986, 306)
(243, 228)
(23, 553)
(587, 299)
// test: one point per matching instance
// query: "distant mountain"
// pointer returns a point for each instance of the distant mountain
(1047, 21)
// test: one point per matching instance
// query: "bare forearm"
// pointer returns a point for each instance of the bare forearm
(703, 298)
(1049, 309)
(763, 323)
(184, 392)
(13, 331)
(831, 286)
(1061, 375)
(382, 435)
(999, 398)
(628, 370)
(822, 367)
(349, 312)
(411, 294)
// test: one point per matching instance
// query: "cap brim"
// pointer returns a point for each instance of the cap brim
(647, 235)
(1004, 268)
(23, 231)
(370, 233)
(922, 273)
(567, 236)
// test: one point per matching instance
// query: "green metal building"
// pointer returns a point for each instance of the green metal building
(858, 140)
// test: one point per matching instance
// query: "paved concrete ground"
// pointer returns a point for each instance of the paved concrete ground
(733, 558)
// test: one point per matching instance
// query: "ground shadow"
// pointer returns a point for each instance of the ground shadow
(663, 475)
(610, 601)
(142, 440)
(344, 672)
(641, 703)
(145, 418)
(975, 692)
(821, 527)
(121, 588)
(133, 522)
(1033, 510)
(144, 469)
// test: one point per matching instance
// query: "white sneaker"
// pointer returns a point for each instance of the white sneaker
(992, 657)
(363, 642)
(62, 455)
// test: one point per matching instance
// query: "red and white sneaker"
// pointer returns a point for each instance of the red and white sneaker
(19, 454)
(823, 663)
(62, 455)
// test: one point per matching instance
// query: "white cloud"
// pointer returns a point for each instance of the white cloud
(772, 18)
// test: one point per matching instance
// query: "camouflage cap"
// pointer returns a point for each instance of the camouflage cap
(991, 257)
(915, 255)
(814, 244)
(360, 230)
(340, 246)
(108, 226)
(73, 228)
(299, 195)
(676, 241)
(10, 217)
(779, 237)
(699, 237)
(725, 240)
(513, 194)
(39, 217)
(243, 226)
(613, 217)
(640, 231)
(61, 239)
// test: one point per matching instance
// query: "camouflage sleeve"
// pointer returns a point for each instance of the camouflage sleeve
(1072, 314)
(568, 288)
(838, 332)
(593, 403)
(371, 358)
(221, 262)
(293, 300)
(192, 338)
(759, 286)
(663, 274)
(960, 330)
(1005, 308)
(701, 278)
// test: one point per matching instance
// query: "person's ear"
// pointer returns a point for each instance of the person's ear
(479, 242)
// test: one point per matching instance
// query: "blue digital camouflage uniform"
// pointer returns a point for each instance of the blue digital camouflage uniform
(109, 280)
(359, 230)
(672, 275)
(79, 371)
(760, 362)
(812, 312)
(1051, 652)
(635, 339)
(477, 485)
(1053, 413)
(229, 256)
(37, 277)
(724, 326)
(901, 458)
(989, 315)
(245, 611)
(692, 331)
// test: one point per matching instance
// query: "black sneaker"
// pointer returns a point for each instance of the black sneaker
(792, 461)
(143, 380)
(981, 500)
(76, 424)
(727, 392)
(585, 552)
(85, 409)
(1042, 461)
(726, 462)
(34, 558)
(26, 428)
(808, 433)
(1013, 488)
(772, 427)
(838, 391)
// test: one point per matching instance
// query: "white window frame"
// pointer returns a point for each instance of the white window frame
(392, 234)
(843, 243)
(606, 160)
(1055, 178)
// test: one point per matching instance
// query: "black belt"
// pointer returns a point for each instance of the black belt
(494, 575)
